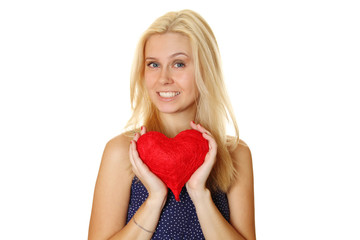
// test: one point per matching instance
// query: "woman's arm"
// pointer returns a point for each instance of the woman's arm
(240, 197)
(241, 194)
(112, 194)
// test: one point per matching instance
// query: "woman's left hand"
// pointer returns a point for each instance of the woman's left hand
(197, 182)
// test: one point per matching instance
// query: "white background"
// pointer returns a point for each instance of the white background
(291, 67)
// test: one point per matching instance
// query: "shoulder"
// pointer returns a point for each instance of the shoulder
(116, 151)
(118, 144)
(112, 189)
(241, 193)
(242, 160)
(241, 154)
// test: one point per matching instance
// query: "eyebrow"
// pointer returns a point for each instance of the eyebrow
(171, 56)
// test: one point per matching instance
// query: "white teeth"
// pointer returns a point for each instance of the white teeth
(168, 94)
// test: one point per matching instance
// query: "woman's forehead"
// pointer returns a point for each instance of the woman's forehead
(167, 45)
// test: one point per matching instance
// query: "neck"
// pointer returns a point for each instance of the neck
(174, 123)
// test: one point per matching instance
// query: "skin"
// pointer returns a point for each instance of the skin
(169, 67)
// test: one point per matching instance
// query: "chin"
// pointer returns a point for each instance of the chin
(167, 110)
(173, 107)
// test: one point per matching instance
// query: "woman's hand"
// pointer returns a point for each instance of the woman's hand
(196, 186)
(155, 187)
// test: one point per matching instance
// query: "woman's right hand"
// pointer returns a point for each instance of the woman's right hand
(153, 184)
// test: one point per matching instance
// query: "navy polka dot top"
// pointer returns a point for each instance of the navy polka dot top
(178, 220)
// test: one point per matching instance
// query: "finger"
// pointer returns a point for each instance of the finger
(140, 165)
(210, 138)
(212, 144)
(130, 154)
(134, 151)
(143, 130)
(136, 161)
(202, 129)
(198, 127)
(136, 137)
(134, 168)
(193, 125)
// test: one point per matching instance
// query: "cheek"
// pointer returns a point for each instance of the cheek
(195, 92)
(149, 80)
(190, 85)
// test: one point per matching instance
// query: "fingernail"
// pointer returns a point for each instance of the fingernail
(193, 122)
(142, 127)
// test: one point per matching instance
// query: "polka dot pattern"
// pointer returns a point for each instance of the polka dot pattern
(178, 220)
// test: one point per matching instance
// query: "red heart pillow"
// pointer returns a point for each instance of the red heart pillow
(173, 160)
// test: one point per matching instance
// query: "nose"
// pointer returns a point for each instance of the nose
(166, 76)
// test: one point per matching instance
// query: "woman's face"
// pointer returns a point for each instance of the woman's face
(169, 72)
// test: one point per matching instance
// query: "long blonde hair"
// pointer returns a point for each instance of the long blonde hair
(213, 104)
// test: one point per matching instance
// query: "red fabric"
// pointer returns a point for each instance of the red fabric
(173, 160)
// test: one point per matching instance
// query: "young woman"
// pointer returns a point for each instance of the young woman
(176, 84)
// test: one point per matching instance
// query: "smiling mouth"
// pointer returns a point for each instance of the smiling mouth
(168, 94)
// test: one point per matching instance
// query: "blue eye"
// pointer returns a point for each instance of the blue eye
(179, 65)
(153, 65)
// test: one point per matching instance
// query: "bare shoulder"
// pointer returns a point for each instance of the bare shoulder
(117, 148)
(112, 189)
(241, 146)
(241, 193)
(115, 162)
(241, 155)
(242, 159)
(119, 143)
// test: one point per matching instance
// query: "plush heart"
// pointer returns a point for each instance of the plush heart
(173, 160)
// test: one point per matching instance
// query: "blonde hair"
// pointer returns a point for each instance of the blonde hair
(213, 104)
